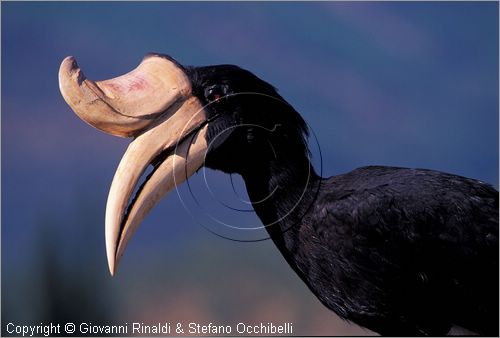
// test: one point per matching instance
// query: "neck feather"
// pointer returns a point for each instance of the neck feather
(282, 193)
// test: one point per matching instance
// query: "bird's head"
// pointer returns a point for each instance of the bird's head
(181, 118)
(249, 120)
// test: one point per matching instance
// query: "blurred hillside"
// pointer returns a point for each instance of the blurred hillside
(211, 280)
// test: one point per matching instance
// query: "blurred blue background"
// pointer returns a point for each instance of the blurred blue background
(405, 84)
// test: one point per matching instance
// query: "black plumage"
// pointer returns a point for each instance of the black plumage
(399, 251)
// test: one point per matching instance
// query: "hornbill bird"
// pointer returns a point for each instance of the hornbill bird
(398, 251)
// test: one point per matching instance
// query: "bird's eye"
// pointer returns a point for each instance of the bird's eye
(215, 93)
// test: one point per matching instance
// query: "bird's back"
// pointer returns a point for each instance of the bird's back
(404, 250)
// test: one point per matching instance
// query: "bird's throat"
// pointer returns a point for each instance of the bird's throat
(281, 196)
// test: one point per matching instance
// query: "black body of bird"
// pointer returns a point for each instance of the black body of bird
(399, 251)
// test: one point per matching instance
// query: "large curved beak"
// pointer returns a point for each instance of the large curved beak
(154, 104)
